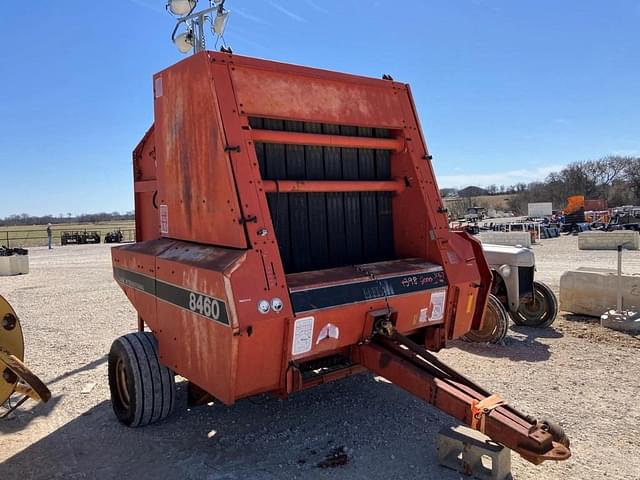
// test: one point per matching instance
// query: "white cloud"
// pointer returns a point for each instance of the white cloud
(244, 14)
(496, 178)
(313, 4)
(288, 13)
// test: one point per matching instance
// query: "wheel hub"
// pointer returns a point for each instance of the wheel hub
(122, 385)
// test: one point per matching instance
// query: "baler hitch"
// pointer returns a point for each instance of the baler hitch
(413, 368)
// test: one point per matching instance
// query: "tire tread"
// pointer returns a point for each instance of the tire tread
(153, 390)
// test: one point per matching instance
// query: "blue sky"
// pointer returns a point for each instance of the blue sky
(506, 90)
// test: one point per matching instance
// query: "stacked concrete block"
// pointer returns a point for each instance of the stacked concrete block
(522, 239)
(14, 265)
(630, 240)
(593, 291)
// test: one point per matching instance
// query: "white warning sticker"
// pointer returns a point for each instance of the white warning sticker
(436, 308)
(302, 335)
(164, 219)
(328, 331)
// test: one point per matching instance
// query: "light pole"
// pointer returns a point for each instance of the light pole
(193, 38)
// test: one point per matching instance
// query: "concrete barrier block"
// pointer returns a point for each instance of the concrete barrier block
(506, 238)
(593, 291)
(595, 240)
(472, 453)
(14, 265)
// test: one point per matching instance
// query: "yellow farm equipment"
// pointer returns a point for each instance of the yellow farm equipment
(15, 376)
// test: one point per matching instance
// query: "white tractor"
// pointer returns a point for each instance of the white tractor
(514, 293)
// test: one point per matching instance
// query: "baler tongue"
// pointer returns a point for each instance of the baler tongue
(410, 366)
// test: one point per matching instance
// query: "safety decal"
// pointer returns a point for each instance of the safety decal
(164, 219)
(302, 335)
(438, 300)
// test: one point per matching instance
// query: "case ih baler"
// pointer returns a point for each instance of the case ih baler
(290, 233)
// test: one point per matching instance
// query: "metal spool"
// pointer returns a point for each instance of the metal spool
(11, 341)
(14, 374)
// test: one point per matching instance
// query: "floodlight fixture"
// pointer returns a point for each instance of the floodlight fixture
(184, 41)
(181, 7)
(220, 22)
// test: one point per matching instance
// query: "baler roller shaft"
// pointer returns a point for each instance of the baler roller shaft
(321, 140)
(332, 186)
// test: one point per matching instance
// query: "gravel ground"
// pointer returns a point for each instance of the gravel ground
(577, 373)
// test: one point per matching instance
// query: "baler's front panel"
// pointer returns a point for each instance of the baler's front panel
(332, 306)
(340, 164)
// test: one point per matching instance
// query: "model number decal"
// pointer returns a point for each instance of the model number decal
(207, 306)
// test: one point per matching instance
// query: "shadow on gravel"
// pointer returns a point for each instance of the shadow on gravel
(27, 413)
(89, 366)
(572, 317)
(275, 439)
(516, 349)
(531, 332)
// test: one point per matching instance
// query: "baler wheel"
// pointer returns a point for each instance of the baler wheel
(142, 389)
(541, 312)
(495, 324)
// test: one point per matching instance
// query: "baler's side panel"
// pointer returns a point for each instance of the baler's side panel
(191, 158)
(196, 318)
(134, 268)
(260, 336)
(146, 188)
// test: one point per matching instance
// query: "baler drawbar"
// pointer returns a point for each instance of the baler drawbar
(290, 232)
(413, 368)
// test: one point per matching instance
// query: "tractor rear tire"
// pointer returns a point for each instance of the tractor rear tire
(142, 390)
(542, 312)
(495, 324)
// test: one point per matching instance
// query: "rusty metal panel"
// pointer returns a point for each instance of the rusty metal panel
(314, 95)
(191, 157)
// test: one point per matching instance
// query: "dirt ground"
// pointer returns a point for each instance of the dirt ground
(575, 372)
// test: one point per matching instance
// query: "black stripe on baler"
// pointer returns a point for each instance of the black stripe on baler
(178, 296)
(333, 296)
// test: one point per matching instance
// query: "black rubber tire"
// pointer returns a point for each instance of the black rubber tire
(142, 389)
(499, 331)
(542, 313)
